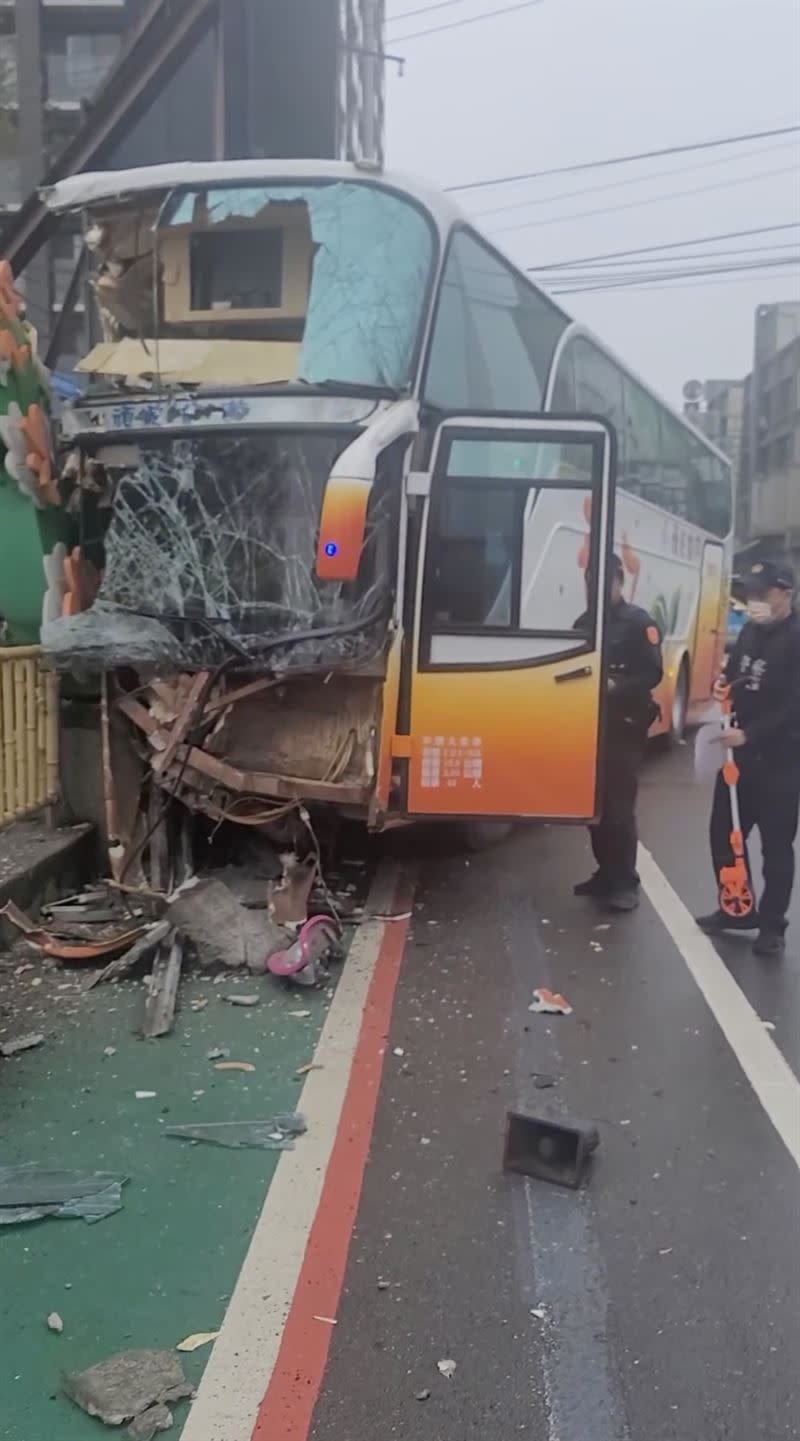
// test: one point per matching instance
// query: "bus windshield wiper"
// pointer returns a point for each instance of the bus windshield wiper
(354, 387)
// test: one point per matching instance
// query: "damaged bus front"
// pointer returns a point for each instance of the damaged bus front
(234, 473)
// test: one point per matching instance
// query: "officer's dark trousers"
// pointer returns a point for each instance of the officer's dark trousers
(615, 837)
(769, 797)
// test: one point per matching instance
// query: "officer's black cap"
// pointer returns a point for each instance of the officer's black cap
(766, 575)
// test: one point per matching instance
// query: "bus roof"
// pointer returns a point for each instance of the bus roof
(95, 186)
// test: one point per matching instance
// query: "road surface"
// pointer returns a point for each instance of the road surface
(659, 1303)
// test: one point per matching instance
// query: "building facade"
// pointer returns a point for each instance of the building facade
(272, 78)
(771, 462)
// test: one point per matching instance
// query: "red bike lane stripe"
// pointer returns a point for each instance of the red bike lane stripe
(287, 1410)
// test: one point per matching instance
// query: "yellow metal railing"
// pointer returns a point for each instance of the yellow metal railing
(29, 775)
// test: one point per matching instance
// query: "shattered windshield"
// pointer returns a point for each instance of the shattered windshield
(211, 548)
(371, 253)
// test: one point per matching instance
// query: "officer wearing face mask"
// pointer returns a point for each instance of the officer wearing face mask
(763, 673)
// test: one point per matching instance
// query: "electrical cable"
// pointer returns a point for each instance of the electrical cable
(470, 20)
(647, 200)
(621, 282)
(626, 159)
(666, 245)
(680, 285)
(742, 253)
(633, 180)
(424, 10)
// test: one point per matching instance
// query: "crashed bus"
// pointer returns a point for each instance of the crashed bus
(338, 482)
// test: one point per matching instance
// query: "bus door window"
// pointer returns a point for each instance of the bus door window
(507, 556)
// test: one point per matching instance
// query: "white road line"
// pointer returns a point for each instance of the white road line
(244, 1357)
(771, 1077)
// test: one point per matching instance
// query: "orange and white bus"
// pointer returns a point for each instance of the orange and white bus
(434, 457)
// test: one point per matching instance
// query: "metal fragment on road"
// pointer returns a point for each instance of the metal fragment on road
(446, 1369)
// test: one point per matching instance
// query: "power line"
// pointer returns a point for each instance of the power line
(634, 180)
(470, 20)
(646, 200)
(669, 245)
(593, 283)
(682, 285)
(424, 10)
(742, 253)
(626, 159)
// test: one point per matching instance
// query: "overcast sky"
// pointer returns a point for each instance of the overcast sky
(571, 80)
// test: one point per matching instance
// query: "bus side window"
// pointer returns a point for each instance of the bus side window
(493, 334)
(641, 472)
(598, 383)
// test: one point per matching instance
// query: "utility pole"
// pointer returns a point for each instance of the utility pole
(31, 98)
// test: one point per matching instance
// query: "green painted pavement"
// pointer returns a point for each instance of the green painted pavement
(165, 1265)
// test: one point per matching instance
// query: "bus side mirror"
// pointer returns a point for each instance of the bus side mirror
(343, 520)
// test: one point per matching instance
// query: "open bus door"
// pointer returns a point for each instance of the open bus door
(507, 666)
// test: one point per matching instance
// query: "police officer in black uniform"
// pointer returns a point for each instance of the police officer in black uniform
(763, 672)
(634, 670)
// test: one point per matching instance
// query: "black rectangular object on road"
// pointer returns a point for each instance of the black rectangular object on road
(549, 1150)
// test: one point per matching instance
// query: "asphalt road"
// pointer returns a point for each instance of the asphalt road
(660, 1303)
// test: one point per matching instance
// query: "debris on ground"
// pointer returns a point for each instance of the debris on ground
(550, 1003)
(217, 1053)
(21, 1043)
(154, 1419)
(64, 947)
(147, 944)
(234, 1066)
(446, 1369)
(195, 1341)
(556, 1151)
(30, 1193)
(542, 1082)
(291, 894)
(423, 1395)
(54, 1323)
(128, 1387)
(299, 1015)
(304, 962)
(539, 1313)
(162, 988)
(275, 1135)
(309, 1066)
(234, 1000)
(221, 929)
(145, 1095)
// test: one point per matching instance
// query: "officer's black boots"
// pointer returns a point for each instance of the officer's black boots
(597, 885)
(718, 921)
(769, 943)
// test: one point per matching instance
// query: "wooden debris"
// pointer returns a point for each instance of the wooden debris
(138, 952)
(162, 992)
